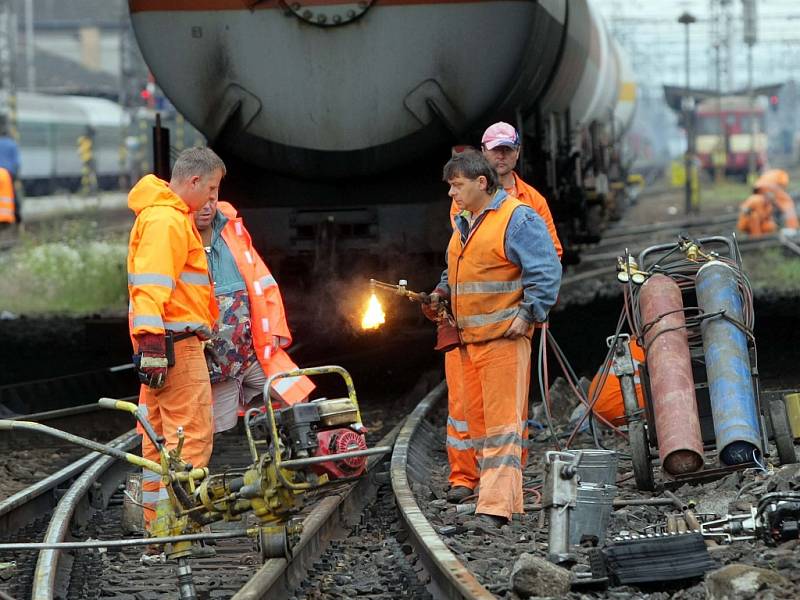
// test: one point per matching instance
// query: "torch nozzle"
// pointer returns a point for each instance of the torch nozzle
(400, 290)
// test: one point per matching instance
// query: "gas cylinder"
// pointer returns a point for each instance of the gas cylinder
(733, 406)
(669, 366)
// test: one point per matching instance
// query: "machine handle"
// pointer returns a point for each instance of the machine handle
(114, 404)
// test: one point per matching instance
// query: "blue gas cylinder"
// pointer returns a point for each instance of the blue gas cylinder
(733, 405)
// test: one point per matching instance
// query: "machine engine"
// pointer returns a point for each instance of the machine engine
(323, 428)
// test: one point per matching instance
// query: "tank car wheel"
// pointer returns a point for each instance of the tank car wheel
(784, 441)
(273, 542)
(640, 455)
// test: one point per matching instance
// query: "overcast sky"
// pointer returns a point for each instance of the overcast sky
(655, 41)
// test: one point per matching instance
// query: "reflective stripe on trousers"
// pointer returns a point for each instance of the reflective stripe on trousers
(184, 401)
(460, 453)
(496, 376)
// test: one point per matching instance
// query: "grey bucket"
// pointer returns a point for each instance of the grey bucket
(589, 519)
(597, 466)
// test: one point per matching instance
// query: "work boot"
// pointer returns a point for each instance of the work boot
(490, 522)
(459, 493)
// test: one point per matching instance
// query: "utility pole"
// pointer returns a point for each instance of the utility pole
(8, 91)
(30, 51)
(750, 38)
(688, 116)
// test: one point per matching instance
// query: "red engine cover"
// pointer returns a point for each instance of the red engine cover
(337, 441)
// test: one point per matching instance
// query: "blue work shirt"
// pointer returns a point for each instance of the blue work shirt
(529, 246)
(221, 264)
(9, 155)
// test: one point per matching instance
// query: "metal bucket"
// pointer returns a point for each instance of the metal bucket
(597, 466)
(132, 511)
(589, 519)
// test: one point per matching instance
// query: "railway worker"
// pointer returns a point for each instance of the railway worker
(503, 276)
(757, 216)
(172, 310)
(773, 184)
(609, 404)
(9, 160)
(252, 334)
(8, 206)
(500, 145)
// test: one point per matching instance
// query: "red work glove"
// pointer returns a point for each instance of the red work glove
(151, 361)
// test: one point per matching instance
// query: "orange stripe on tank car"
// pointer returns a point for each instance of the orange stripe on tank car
(214, 5)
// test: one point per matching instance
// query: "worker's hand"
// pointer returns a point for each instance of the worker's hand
(518, 328)
(431, 309)
(151, 360)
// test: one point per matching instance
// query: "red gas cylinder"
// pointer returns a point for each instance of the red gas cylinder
(669, 366)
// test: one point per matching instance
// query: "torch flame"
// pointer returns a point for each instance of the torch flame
(374, 316)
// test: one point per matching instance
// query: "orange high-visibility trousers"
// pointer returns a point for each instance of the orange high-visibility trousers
(496, 378)
(460, 453)
(185, 401)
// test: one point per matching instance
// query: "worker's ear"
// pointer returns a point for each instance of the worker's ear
(483, 183)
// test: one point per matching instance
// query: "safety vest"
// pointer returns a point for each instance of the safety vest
(168, 279)
(485, 287)
(7, 214)
(267, 315)
(527, 194)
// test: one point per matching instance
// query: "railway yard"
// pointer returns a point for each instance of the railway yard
(391, 533)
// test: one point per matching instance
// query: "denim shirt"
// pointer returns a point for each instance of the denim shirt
(528, 245)
(221, 264)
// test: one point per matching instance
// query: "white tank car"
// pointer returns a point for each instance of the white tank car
(344, 88)
(336, 117)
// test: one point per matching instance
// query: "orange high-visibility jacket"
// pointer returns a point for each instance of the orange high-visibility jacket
(167, 270)
(485, 287)
(610, 404)
(6, 197)
(526, 194)
(783, 201)
(267, 315)
(756, 216)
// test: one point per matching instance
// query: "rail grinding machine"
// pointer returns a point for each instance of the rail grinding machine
(689, 305)
(293, 450)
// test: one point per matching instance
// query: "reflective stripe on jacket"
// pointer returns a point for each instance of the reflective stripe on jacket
(267, 315)
(485, 287)
(168, 279)
(7, 214)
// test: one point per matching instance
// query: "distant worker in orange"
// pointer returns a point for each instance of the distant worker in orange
(252, 334)
(172, 310)
(502, 277)
(8, 207)
(770, 207)
(501, 147)
(774, 183)
(609, 404)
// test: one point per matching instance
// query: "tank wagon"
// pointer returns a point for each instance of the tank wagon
(336, 117)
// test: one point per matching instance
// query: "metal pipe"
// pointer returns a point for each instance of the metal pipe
(730, 384)
(669, 365)
(299, 463)
(189, 537)
(6, 425)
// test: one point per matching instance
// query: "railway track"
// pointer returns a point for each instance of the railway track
(90, 506)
